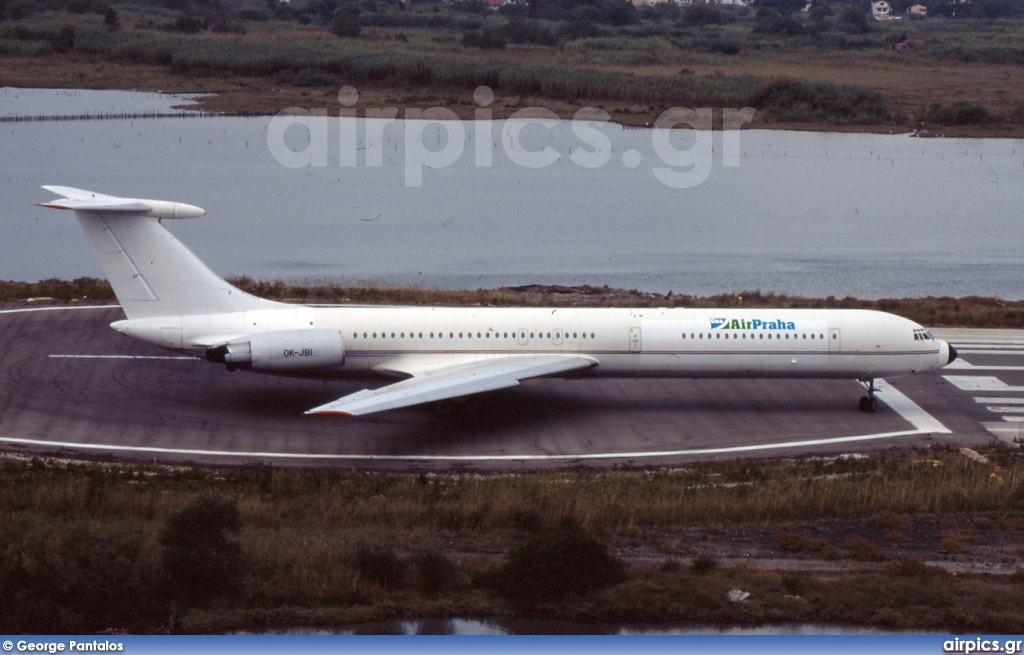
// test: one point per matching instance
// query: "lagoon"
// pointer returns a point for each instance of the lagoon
(816, 214)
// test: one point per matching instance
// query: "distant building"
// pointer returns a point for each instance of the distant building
(882, 10)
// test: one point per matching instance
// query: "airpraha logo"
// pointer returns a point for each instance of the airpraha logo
(750, 324)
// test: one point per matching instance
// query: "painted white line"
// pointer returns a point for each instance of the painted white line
(979, 383)
(998, 409)
(118, 357)
(965, 365)
(1005, 401)
(908, 409)
(923, 423)
(973, 351)
(464, 458)
(28, 310)
(1014, 419)
(990, 345)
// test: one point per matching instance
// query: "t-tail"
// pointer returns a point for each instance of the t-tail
(151, 272)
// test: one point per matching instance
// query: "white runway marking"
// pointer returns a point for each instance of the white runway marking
(1014, 419)
(979, 383)
(1004, 401)
(998, 409)
(1006, 351)
(120, 357)
(27, 310)
(922, 421)
(963, 365)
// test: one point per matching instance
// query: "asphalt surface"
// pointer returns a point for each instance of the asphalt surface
(70, 384)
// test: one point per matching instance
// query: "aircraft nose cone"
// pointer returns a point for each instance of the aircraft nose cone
(952, 354)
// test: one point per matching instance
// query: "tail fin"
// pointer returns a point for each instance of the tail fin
(151, 272)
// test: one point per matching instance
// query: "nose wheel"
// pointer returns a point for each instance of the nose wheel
(869, 403)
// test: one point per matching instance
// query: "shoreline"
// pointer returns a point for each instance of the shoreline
(946, 312)
(237, 95)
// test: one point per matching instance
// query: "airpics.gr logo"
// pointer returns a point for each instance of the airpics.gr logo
(751, 324)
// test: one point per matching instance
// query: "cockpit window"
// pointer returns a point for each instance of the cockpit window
(921, 334)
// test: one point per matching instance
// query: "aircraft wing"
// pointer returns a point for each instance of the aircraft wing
(454, 381)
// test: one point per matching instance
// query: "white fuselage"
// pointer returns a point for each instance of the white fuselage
(783, 343)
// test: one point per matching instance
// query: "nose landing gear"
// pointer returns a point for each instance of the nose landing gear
(869, 403)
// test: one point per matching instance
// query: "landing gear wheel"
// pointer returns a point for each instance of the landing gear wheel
(869, 403)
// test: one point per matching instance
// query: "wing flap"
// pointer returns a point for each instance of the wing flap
(454, 381)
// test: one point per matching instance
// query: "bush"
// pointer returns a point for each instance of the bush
(961, 112)
(346, 24)
(483, 39)
(380, 566)
(557, 563)
(199, 560)
(700, 13)
(703, 564)
(435, 573)
(799, 542)
(863, 550)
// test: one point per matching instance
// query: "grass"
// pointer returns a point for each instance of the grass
(306, 533)
(970, 311)
(821, 78)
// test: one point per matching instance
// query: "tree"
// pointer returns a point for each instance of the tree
(346, 23)
(557, 563)
(852, 15)
(200, 560)
(112, 20)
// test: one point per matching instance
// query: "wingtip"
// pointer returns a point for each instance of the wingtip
(50, 205)
(327, 412)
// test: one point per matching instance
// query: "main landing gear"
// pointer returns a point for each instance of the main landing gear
(869, 403)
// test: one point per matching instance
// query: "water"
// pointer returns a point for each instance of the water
(805, 213)
(78, 102)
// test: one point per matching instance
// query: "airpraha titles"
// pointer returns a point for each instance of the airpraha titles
(750, 324)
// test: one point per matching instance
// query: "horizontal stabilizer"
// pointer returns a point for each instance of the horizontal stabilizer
(87, 201)
(455, 381)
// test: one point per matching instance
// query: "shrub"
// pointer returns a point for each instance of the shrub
(912, 567)
(703, 564)
(700, 13)
(961, 112)
(483, 39)
(435, 573)
(557, 563)
(199, 560)
(380, 566)
(795, 584)
(952, 545)
(346, 24)
(799, 542)
(864, 551)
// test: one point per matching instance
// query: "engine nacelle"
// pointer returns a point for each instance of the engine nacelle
(285, 350)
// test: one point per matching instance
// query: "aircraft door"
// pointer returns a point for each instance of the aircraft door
(635, 342)
(523, 337)
(556, 336)
(835, 340)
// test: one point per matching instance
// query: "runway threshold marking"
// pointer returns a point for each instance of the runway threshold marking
(962, 365)
(922, 422)
(980, 383)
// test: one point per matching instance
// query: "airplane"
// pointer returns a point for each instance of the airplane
(173, 300)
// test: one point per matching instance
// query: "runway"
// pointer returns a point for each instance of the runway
(70, 384)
